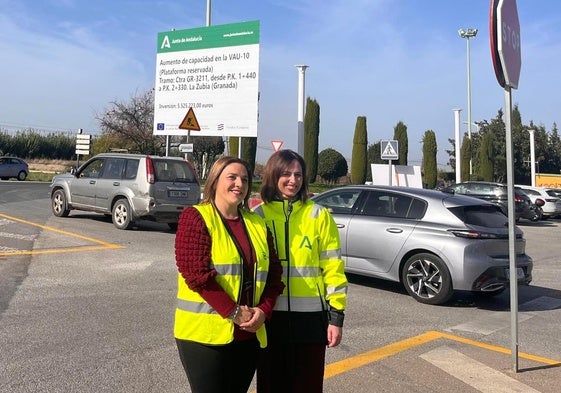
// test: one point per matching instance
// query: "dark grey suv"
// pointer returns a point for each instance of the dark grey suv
(496, 193)
(128, 187)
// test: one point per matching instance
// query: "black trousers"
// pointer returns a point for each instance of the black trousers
(219, 368)
(291, 368)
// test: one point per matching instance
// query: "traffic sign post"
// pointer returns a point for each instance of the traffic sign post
(506, 55)
(389, 150)
(82, 145)
(189, 123)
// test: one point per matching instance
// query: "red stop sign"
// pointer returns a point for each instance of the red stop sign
(505, 42)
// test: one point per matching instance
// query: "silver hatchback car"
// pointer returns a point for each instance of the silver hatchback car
(128, 187)
(13, 167)
(430, 241)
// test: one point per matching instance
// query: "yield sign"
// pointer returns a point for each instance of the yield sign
(389, 150)
(190, 122)
(276, 145)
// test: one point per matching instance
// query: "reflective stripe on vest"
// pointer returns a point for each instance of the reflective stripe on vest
(301, 304)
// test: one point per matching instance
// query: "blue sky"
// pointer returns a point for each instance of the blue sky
(64, 61)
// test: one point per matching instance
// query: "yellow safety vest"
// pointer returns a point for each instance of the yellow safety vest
(308, 245)
(195, 319)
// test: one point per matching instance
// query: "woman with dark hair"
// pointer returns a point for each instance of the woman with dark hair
(309, 314)
(229, 279)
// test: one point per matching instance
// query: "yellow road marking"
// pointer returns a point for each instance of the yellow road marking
(400, 346)
(102, 244)
(365, 358)
(506, 351)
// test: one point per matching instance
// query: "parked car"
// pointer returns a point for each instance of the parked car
(550, 201)
(13, 167)
(430, 241)
(128, 187)
(495, 193)
(532, 211)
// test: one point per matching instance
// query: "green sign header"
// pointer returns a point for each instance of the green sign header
(234, 34)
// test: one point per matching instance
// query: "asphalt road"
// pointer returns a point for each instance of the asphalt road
(85, 307)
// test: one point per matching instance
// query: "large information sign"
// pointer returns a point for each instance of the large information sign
(215, 72)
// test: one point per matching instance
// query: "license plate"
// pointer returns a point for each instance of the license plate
(178, 194)
(519, 273)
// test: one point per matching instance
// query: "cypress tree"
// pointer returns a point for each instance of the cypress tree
(430, 170)
(373, 157)
(400, 135)
(249, 150)
(465, 153)
(311, 137)
(360, 145)
(486, 157)
(233, 146)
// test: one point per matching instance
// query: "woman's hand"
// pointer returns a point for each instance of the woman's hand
(334, 335)
(256, 321)
(243, 316)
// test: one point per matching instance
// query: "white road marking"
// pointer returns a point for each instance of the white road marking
(7, 249)
(10, 235)
(501, 320)
(475, 374)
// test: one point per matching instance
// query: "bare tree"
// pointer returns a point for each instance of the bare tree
(132, 124)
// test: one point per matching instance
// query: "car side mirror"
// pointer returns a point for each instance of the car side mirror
(73, 171)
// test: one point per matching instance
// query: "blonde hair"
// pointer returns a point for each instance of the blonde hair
(209, 192)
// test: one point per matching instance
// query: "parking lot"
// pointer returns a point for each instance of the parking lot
(85, 307)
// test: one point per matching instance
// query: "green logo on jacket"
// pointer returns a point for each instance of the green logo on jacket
(306, 243)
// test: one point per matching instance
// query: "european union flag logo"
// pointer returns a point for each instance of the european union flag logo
(161, 126)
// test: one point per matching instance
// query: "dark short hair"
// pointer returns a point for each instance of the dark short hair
(274, 168)
(209, 192)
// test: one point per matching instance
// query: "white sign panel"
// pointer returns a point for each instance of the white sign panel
(213, 70)
(186, 148)
(83, 144)
(403, 175)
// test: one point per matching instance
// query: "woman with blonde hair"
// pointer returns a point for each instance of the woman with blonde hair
(229, 279)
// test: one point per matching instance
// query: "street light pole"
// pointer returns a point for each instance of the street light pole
(301, 106)
(457, 145)
(532, 158)
(467, 34)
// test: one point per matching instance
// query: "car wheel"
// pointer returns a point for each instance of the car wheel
(122, 215)
(172, 226)
(427, 279)
(59, 204)
(22, 175)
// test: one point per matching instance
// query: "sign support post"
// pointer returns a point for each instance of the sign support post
(389, 151)
(506, 56)
(189, 123)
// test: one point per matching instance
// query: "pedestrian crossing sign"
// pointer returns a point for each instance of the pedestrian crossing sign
(389, 150)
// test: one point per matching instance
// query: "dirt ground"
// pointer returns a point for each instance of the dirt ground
(50, 166)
